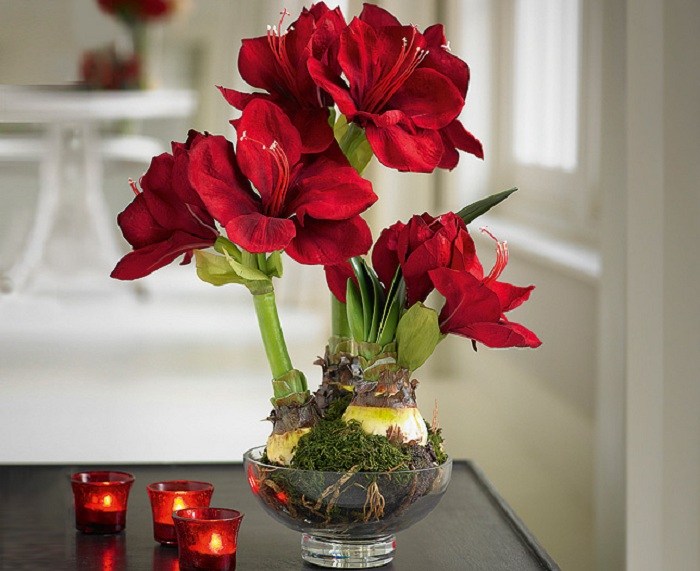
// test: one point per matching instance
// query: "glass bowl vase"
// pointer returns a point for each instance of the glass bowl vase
(348, 520)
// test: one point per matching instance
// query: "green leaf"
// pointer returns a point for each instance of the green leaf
(225, 245)
(274, 264)
(394, 305)
(246, 272)
(476, 209)
(215, 269)
(353, 304)
(417, 335)
(353, 142)
(366, 295)
(378, 307)
(340, 127)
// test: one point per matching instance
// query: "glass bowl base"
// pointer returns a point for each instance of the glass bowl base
(347, 553)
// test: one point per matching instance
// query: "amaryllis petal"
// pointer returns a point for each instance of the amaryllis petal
(268, 143)
(475, 308)
(138, 225)
(434, 253)
(357, 58)
(385, 259)
(456, 136)
(218, 181)
(239, 99)
(429, 99)
(170, 198)
(258, 233)
(337, 277)
(464, 256)
(377, 17)
(312, 124)
(257, 64)
(510, 296)
(499, 335)
(397, 148)
(330, 242)
(450, 156)
(327, 191)
(329, 25)
(440, 59)
(331, 82)
(467, 300)
(143, 261)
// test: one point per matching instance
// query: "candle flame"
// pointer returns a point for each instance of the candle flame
(107, 501)
(216, 544)
(178, 504)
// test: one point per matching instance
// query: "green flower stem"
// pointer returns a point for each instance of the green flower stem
(272, 336)
(286, 381)
(339, 318)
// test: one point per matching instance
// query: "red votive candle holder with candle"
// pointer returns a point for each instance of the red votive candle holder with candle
(171, 496)
(207, 538)
(100, 500)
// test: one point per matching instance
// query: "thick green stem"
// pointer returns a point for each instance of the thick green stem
(339, 318)
(272, 336)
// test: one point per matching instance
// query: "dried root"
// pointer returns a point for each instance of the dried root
(374, 504)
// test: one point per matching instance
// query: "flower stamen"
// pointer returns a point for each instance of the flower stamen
(409, 58)
(281, 184)
(501, 257)
(133, 186)
(277, 39)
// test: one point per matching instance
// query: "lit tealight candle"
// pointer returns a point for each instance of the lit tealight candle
(207, 538)
(100, 500)
(171, 496)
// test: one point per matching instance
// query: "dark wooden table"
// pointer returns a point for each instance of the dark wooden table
(472, 528)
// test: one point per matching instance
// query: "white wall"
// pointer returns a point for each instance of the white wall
(652, 454)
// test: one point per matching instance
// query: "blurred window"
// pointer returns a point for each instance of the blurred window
(546, 83)
(547, 118)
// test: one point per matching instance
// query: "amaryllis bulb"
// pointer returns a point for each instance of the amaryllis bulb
(405, 425)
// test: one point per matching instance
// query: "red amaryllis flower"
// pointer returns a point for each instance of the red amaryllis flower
(421, 245)
(475, 305)
(167, 218)
(406, 100)
(277, 63)
(307, 205)
(134, 10)
(337, 277)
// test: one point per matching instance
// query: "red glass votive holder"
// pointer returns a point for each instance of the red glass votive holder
(207, 538)
(100, 500)
(171, 496)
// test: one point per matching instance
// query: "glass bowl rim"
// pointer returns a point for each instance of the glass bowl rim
(248, 458)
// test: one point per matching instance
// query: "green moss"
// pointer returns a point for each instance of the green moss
(336, 409)
(338, 446)
(435, 440)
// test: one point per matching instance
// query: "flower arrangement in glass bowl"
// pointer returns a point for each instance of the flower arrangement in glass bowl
(333, 95)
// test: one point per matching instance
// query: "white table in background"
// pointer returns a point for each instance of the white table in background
(73, 235)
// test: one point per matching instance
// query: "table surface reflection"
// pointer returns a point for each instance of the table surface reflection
(472, 527)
